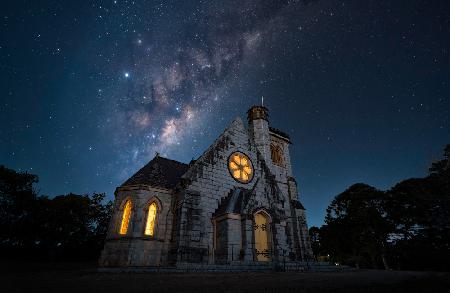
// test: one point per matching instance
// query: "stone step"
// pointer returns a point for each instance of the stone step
(235, 267)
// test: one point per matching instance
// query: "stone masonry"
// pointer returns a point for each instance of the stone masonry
(207, 216)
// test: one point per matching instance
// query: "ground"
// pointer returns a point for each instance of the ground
(77, 277)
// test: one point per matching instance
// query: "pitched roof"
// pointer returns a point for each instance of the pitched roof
(280, 133)
(233, 203)
(159, 172)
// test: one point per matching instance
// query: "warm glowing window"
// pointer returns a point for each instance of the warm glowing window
(151, 220)
(125, 218)
(276, 154)
(240, 167)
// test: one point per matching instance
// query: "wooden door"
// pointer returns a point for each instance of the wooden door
(262, 237)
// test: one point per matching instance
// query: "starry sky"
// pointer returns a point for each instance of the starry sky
(90, 90)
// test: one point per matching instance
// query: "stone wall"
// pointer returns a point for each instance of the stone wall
(135, 248)
(209, 182)
(190, 227)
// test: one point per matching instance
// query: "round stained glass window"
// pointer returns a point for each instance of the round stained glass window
(240, 167)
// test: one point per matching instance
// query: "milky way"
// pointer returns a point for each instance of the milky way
(172, 91)
(90, 91)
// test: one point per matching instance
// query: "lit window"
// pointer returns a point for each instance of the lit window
(125, 218)
(240, 167)
(151, 220)
(277, 155)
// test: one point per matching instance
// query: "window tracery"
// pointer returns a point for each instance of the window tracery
(240, 167)
(277, 155)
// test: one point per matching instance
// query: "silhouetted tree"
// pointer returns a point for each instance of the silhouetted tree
(64, 227)
(407, 227)
(74, 225)
(314, 236)
(356, 229)
(441, 168)
(17, 209)
(420, 210)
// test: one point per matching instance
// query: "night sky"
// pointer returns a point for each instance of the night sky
(91, 89)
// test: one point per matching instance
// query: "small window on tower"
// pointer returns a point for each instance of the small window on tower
(277, 155)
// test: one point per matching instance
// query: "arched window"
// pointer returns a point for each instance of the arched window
(277, 155)
(125, 218)
(151, 220)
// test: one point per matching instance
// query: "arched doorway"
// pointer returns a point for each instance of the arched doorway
(262, 236)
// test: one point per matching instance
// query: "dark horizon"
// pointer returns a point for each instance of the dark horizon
(90, 91)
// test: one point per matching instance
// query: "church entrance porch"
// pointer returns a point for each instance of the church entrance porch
(227, 238)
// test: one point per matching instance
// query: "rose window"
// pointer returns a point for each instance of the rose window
(240, 167)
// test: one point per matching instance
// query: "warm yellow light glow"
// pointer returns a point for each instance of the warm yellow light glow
(151, 220)
(277, 155)
(248, 170)
(262, 237)
(240, 167)
(125, 218)
(233, 165)
(237, 159)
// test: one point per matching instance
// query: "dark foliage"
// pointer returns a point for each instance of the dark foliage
(35, 227)
(406, 227)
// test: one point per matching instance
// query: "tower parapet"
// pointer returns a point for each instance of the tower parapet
(258, 112)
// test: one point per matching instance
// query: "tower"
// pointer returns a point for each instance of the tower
(258, 120)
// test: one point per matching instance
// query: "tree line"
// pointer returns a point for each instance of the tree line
(405, 228)
(36, 227)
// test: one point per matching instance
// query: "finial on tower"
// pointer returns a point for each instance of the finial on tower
(262, 101)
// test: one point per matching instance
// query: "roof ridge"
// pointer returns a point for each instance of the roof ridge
(167, 159)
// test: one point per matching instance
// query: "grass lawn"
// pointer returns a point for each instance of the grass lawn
(82, 277)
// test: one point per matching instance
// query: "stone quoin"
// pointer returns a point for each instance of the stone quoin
(237, 203)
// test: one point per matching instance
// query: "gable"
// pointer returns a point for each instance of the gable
(234, 135)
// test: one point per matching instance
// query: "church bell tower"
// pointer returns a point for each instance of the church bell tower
(258, 120)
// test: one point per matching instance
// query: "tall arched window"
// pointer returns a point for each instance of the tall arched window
(277, 155)
(151, 220)
(125, 218)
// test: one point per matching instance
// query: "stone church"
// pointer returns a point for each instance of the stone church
(237, 203)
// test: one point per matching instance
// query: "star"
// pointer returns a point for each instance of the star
(153, 80)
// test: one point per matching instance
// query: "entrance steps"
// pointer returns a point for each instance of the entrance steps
(263, 266)
(236, 267)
